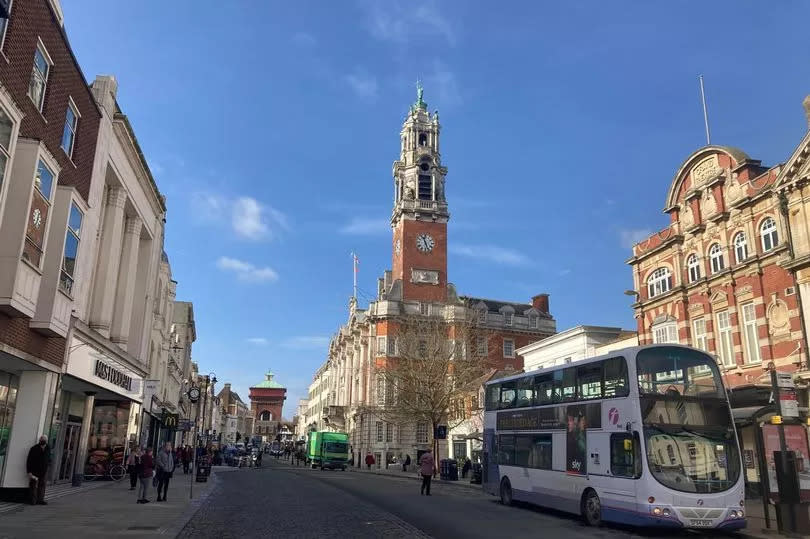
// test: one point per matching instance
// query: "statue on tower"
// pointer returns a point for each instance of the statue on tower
(420, 103)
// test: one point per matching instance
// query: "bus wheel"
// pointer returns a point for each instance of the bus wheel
(591, 508)
(506, 492)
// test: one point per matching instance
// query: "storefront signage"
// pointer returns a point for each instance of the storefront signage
(112, 375)
(788, 403)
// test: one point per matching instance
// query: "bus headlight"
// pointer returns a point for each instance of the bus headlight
(733, 514)
(666, 512)
(656, 511)
(741, 514)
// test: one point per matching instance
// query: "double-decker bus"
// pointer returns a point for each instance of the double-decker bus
(641, 436)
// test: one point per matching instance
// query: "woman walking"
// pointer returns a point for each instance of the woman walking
(134, 467)
(165, 468)
(426, 469)
(147, 471)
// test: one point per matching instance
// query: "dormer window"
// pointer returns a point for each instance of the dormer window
(508, 318)
(422, 139)
(482, 316)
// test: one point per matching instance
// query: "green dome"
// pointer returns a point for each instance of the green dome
(268, 382)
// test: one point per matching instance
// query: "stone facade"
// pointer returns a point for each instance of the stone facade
(266, 404)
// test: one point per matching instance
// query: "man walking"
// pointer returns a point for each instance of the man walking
(39, 457)
(165, 468)
(426, 469)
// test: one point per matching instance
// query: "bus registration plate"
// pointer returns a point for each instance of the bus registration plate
(700, 522)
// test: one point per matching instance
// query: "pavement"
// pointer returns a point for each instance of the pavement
(106, 509)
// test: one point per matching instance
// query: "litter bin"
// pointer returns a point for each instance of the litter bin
(452, 472)
(444, 469)
(203, 471)
(477, 474)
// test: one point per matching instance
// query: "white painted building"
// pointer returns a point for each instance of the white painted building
(568, 346)
(302, 419)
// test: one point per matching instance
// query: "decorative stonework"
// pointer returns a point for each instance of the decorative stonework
(778, 317)
(696, 308)
(424, 276)
(686, 217)
(734, 191)
(116, 197)
(706, 170)
(709, 203)
(719, 298)
(133, 226)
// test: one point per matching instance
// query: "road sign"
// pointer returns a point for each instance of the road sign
(185, 425)
(441, 432)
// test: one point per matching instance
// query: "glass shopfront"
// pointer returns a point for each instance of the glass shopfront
(108, 436)
(64, 434)
(9, 385)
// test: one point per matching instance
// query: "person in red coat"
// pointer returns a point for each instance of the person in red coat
(369, 460)
(147, 471)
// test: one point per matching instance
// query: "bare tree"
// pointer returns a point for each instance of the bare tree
(436, 365)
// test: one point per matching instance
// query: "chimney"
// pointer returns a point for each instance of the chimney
(806, 104)
(387, 280)
(540, 302)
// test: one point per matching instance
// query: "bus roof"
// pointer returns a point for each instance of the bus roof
(614, 353)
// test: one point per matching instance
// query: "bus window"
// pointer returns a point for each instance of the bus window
(589, 381)
(523, 448)
(556, 395)
(525, 392)
(624, 455)
(541, 452)
(543, 389)
(493, 396)
(569, 384)
(506, 449)
(615, 370)
(508, 395)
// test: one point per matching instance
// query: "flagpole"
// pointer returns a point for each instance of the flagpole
(705, 112)
(354, 276)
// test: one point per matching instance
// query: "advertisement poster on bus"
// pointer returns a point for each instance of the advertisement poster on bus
(796, 441)
(579, 418)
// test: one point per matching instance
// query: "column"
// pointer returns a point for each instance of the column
(84, 438)
(140, 328)
(128, 269)
(108, 260)
(34, 403)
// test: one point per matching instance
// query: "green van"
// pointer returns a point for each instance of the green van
(328, 450)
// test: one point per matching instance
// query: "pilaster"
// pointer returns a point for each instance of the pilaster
(127, 273)
(109, 257)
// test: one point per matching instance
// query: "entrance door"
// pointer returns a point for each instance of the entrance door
(69, 449)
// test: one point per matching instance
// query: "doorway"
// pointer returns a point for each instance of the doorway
(69, 448)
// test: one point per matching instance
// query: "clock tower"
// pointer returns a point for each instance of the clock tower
(419, 219)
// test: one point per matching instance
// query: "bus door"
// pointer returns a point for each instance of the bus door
(489, 461)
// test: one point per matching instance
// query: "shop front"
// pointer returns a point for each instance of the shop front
(97, 417)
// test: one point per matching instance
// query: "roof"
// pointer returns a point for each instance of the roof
(495, 306)
(268, 382)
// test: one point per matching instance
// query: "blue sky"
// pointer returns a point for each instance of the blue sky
(271, 128)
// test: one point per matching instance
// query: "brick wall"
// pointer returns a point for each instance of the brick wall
(15, 332)
(33, 20)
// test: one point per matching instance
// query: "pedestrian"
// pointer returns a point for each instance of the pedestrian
(406, 463)
(369, 460)
(165, 468)
(258, 459)
(39, 458)
(134, 467)
(186, 456)
(147, 471)
(466, 468)
(426, 469)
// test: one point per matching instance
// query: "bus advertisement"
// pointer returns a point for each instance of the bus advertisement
(642, 436)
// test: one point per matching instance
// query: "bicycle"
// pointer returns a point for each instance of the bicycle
(115, 472)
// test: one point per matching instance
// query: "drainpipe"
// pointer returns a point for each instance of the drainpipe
(783, 209)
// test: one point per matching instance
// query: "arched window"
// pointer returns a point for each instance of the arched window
(660, 281)
(740, 247)
(266, 416)
(769, 235)
(693, 265)
(422, 139)
(716, 257)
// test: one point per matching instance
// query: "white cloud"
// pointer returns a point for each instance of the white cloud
(491, 253)
(631, 236)
(311, 342)
(258, 341)
(362, 83)
(401, 22)
(563, 272)
(245, 271)
(361, 226)
(247, 217)
(304, 39)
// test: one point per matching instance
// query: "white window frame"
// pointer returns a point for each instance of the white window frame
(768, 234)
(5, 27)
(482, 316)
(508, 318)
(740, 247)
(659, 282)
(64, 276)
(718, 263)
(391, 346)
(482, 346)
(512, 345)
(700, 337)
(389, 432)
(379, 427)
(47, 57)
(424, 308)
(725, 340)
(665, 332)
(421, 432)
(693, 267)
(381, 348)
(534, 321)
(750, 330)
(380, 390)
(74, 129)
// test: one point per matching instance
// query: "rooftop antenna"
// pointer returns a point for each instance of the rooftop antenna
(705, 112)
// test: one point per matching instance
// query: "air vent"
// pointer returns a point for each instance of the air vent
(789, 291)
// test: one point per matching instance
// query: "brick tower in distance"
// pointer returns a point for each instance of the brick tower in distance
(266, 402)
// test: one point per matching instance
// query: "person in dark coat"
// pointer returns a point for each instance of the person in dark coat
(39, 458)
(147, 471)
(406, 463)
(466, 468)
(186, 458)
(134, 467)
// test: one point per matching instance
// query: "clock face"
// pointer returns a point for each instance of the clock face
(424, 243)
(194, 394)
(397, 247)
(36, 218)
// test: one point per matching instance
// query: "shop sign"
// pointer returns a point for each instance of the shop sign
(786, 389)
(185, 425)
(112, 375)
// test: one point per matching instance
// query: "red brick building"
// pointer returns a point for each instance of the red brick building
(49, 124)
(266, 403)
(717, 276)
